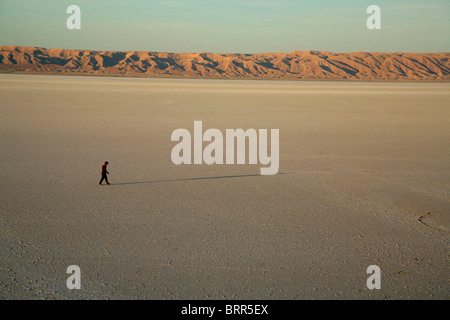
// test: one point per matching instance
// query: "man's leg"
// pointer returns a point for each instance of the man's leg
(101, 180)
(106, 178)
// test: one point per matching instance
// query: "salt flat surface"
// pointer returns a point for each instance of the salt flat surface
(363, 180)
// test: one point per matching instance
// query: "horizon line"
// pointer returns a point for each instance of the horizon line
(214, 52)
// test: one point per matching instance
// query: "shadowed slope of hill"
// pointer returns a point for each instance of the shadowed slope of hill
(313, 65)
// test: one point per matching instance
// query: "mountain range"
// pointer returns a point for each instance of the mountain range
(306, 65)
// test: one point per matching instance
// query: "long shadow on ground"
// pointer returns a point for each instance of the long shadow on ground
(190, 179)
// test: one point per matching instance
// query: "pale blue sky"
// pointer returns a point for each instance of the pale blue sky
(245, 26)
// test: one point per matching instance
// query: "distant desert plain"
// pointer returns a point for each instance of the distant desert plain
(364, 178)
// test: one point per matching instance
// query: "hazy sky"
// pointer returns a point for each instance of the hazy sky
(245, 26)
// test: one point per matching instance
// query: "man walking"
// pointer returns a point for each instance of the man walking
(104, 173)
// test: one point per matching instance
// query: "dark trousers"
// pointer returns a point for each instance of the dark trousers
(104, 177)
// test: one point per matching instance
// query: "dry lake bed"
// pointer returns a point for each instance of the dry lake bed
(364, 179)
